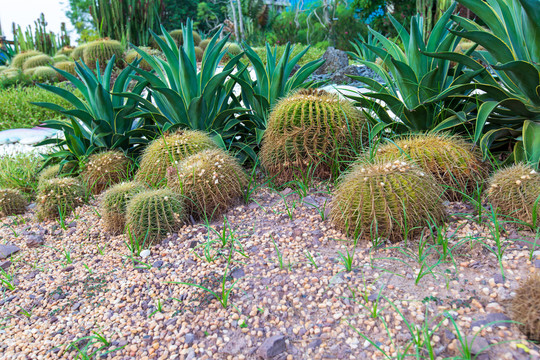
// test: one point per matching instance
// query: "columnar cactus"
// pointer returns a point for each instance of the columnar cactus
(312, 129)
(211, 180)
(12, 202)
(153, 214)
(384, 199)
(105, 169)
(114, 203)
(59, 197)
(167, 151)
(515, 192)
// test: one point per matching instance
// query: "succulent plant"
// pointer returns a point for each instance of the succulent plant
(178, 37)
(132, 55)
(20, 58)
(515, 192)
(55, 171)
(68, 66)
(102, 51)
(211, 180)
(60, 58)
(525, 307)
(10, 73)
(204, 43)
(12, 202)
(154, 45)
(199, 53)
(105, 169)
(59, 197)
(78, 52)
(37, 61)
(450, 159)
(153, 214)
(29, 72)
(114, 203)
(44, 73)
(383, 199)
(312, 128)
(167, 151)
(66, 50)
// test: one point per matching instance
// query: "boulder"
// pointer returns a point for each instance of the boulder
(335, 60)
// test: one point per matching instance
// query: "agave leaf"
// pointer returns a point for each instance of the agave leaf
(531, 142)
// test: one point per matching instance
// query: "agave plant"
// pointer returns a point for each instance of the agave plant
(186, 97)
(363, 53)
(100, 120)
(509, 107)
(273, 81)
(414, 80)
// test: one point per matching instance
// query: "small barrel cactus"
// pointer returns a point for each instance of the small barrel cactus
(37, 60)
(450, 159)
(45, 73)
(105, 169)
(78, 52)
(29, 72)
(153, 214)
(102, 51)
(12, 202)
(312, 130)
(19, 59)
(384, 199)
(114, 203)
(177, 35)
(199, 53)
(55, 171)
(211, 180)
(204, 43)
(60, 58)
(132, 55)
(167, 151)
(526, 307)
(59, 197)
(66, 50)
(515, 192)
(67, 66)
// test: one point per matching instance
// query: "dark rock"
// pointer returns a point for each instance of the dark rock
(33, 241)
(494, 319)
(297, 233)
(170, 322)
(477, 344)
(5, 264)
(71, 231)
(287, 191)
(31, 206)
(8, 299)
(272, 346)
(334, 60)
(69, 268)
(498, 278)
(72, 224)
(31, 275)
(238, 273)
(190, 338)
(7, 250)
(157, 264)
(253, 206)
(234, 346)
(315, 343)
(340, 76)
(53, 319)
(449, 335)
(193, 244)
(147, 339)
(76, 306)
(537, 263)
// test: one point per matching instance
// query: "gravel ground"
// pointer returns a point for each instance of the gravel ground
(296, 311)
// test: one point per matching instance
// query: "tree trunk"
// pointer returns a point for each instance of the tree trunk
(234, 20)
(241, 20)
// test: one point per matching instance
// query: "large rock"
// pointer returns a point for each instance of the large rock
(272, 346)
(33, 241)
(340, 76)
(7, 249)
(335, 60)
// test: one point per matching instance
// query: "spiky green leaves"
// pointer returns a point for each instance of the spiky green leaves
(132, 55)
(386, 199)
(211, 181)
(515, 192)
(526, 307)
(167, 151)
(114, 204)
(312, 128)
(151, 215)
(102, 51)
(12, 202)
(450, 159)
(105, 169)
(59, 197)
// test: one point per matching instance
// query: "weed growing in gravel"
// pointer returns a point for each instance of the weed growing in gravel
(496, 228)
(24, 312)
(159, 308)
(134, 244)
(225, 238)
(310, 258)
(348, 258)
(19, 172)
(282, 265)
(6, 279)
(85, 347)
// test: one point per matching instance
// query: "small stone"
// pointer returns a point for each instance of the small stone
(477, 344)
(238, 273)
(145, 253)
(494, 319)
(5, 264)
(7, 250)
(498, 278)
(158, 264)
(537, 263)
(272, 346)
(69, 268)
(189, 339)
(33, 241)
(315, 343)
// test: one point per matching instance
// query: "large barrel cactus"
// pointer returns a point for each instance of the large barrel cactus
(12, 202)
(102, 51)
(114, 203)
(19, 59)
(312, 129)
(59, 197)
(105, 169)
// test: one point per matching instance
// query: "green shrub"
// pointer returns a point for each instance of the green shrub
(211, 180)
(312, 130)
(114, 203)
(13, 77)
(515, 191)
(450, 159)
(386, 199)
(105, 169)
(153, 214)
(17, 112)
(59, 197)
(20, 172)
(37, 61)
(29, 72)
(168, 151)
(12, 202)
(20, 58)
(102, 51)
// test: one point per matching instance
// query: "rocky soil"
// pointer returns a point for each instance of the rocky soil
(293, 298)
